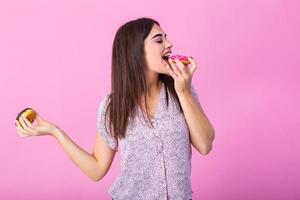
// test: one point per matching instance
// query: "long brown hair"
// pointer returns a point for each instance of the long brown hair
(128, 79)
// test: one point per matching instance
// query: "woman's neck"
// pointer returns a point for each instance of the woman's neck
(153, 88)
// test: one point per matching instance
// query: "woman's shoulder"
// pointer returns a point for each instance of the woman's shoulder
(103, 104)
(106, 98)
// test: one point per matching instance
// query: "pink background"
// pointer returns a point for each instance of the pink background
(55, 57)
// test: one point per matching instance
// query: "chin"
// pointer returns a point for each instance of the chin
(164, 69)
(165, 72)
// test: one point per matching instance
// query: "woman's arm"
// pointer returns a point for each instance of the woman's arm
(95, 166)
(201, 131)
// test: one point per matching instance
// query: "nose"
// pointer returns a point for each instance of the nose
(168, 44)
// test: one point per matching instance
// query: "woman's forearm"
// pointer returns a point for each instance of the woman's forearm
(201, 130)
(85, 161)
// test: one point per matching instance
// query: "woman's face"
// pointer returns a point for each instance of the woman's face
(155, 46)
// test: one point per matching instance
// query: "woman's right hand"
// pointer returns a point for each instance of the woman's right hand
(25, 128)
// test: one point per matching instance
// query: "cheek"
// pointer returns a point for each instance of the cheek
(153, 60)
(156, 63)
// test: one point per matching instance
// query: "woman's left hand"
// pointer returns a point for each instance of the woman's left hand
(182, 75)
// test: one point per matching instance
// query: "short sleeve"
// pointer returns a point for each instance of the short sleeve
(111, 141)
(194, 94)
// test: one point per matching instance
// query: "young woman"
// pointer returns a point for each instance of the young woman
(152, 112)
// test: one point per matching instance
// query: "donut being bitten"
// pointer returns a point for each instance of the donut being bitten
(181, 58)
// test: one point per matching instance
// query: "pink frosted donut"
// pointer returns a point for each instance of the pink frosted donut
(183, 59)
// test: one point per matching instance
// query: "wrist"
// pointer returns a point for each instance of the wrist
(56, 132)
(185, 93)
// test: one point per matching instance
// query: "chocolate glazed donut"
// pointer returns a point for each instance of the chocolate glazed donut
(27, 113)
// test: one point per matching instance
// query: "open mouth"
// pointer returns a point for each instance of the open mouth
(166, 57)
(165, 60)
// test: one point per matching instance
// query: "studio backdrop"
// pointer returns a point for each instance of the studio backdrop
(55, 56)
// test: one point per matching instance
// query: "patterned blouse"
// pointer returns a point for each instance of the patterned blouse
(155, 163)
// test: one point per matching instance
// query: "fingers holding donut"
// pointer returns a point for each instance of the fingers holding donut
(175, 71)
(194, 65)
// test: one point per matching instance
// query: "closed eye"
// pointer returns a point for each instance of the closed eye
(159, 41)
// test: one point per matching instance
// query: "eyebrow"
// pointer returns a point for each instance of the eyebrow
(159, 34)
